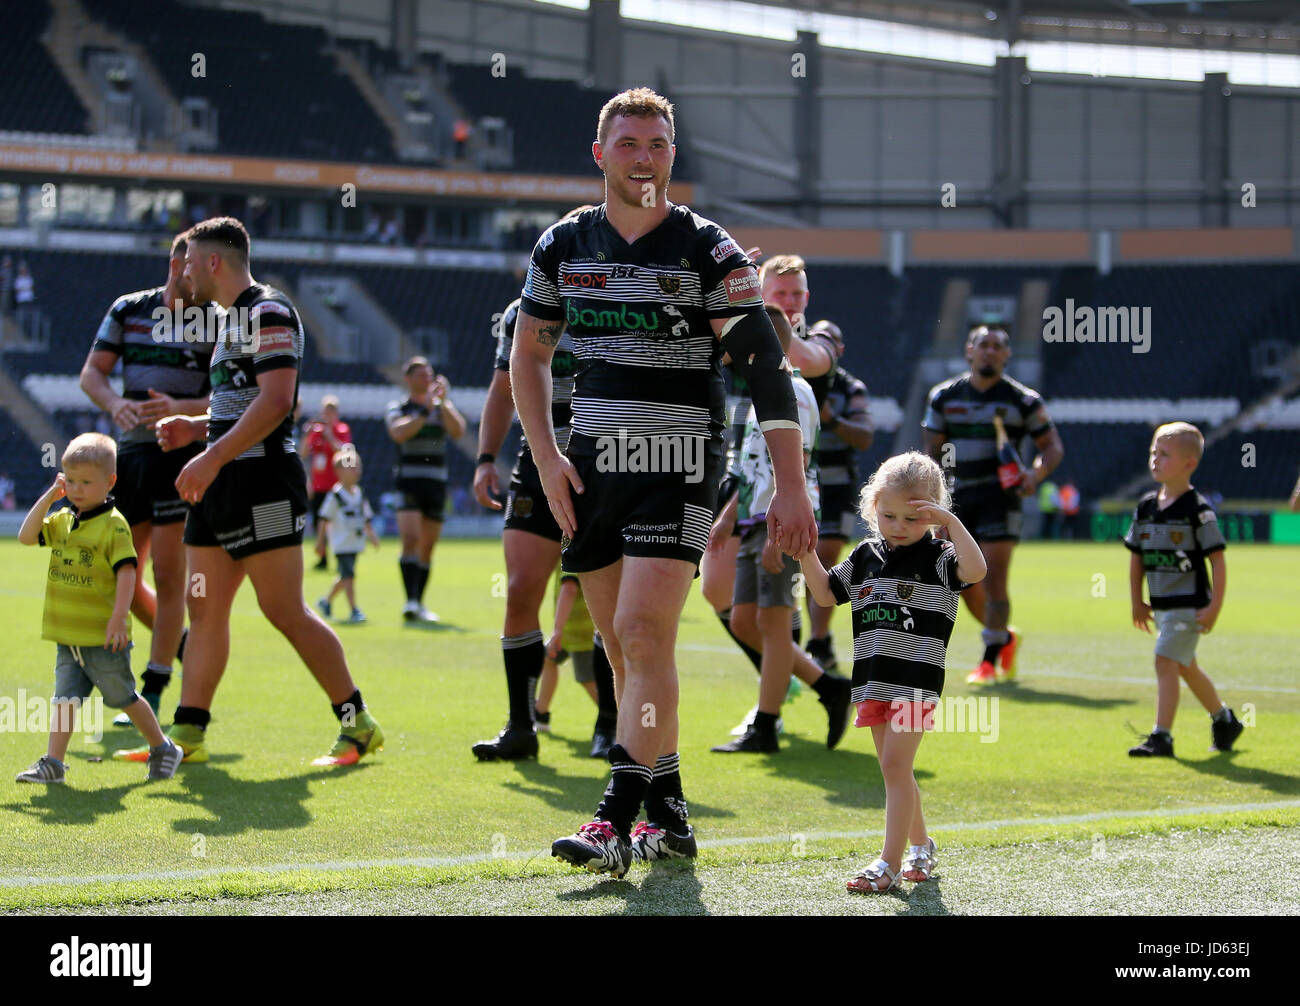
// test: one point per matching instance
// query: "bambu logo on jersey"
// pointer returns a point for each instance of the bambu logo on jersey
(1106, 324)
(624, 319)
(670, 453)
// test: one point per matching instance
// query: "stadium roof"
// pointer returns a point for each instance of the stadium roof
(1255, 25)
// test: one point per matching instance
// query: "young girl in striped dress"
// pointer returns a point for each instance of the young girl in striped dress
(902, 584)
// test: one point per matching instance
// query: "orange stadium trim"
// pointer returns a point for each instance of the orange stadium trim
(291, 174)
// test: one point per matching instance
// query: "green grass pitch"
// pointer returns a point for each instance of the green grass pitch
(1026, 823)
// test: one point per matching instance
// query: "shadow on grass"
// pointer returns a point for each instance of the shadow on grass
(926, 898)
(236, 806)
(69, 805)
(1019, 693)
(1223, 765)
(850, 778)
(579, 794)
(670, 888)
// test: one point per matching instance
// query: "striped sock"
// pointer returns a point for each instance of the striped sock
(665, 804)
(628, 784)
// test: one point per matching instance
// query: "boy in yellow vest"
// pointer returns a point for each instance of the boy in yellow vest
(88, 592)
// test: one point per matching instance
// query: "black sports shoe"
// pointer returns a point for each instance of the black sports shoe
(1157, 745)
(1225, 732)
(650, 843)
(838, 705)
(509, 745)
(751, 742)
(822, 652)
(601, 742)
(596, 847)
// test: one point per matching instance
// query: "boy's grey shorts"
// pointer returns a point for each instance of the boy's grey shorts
(1179, 634)
(754, 584)
(347, 565)
(79, 670)
(583, 668)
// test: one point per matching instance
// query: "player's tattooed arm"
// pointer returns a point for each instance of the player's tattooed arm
(549, 332)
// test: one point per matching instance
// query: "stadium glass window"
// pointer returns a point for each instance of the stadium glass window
(154, 207)
(92, 204)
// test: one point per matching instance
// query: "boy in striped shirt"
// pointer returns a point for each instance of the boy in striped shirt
(1174, 531)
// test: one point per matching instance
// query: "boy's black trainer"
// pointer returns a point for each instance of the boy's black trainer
(1225, 732)
(1157, 745)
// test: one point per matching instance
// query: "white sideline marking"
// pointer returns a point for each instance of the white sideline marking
(1039, 673)
(715, 843)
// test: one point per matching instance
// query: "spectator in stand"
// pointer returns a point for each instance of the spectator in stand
(1295, 497)
(1069, 496)
(7, 501)
(324, 437)
(1049, 505)
(24, 287)
(460, 133)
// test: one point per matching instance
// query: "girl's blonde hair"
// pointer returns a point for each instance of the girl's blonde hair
(916, 474)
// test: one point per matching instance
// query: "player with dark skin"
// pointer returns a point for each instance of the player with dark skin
(987, 352)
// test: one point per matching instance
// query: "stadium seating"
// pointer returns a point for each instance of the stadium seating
(276, 90)
(20, 459)
(1204, 321)
(35, 96)
(554, 121)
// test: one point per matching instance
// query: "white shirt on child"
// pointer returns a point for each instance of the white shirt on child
(347, 511)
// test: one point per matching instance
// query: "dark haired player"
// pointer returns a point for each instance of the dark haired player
(420, 426)
(248, 497)
(532, 547)
(652, 295)
(961, 414)
(164, 372)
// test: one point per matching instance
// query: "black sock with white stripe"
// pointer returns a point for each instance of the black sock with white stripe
(410, 567)
(606, 705)
(628, 784)
(523, 656)
(665, 805)
(796, 627)
(754, 656)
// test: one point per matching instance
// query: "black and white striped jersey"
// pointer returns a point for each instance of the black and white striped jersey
(638, 314)
(261, 332)
(563, 366)
(965, 416)
(1174, 543)
(157, 353)
(424, 456)
(836, 461)
(904, 605)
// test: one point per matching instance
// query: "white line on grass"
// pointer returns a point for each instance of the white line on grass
(716, 843)
(1039, 673)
